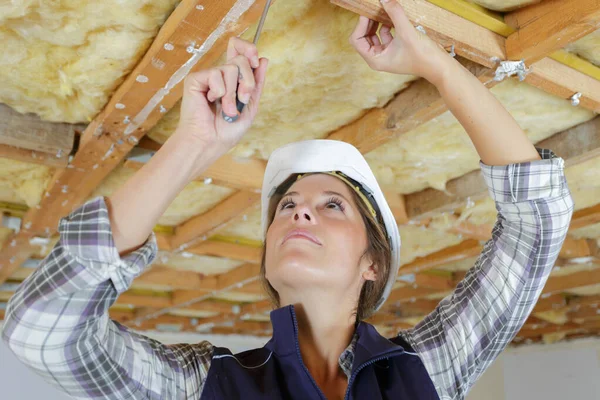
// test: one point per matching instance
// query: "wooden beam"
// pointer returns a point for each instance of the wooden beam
(232, 280)
(557, 284)
(585, 217)
(28, 131)
(228, 171)
(195, 39)
(549, 303)
(229, 250)
(466, 249)
(585, 313)
(414, 106)
(177, 279)
(575, 248)
(471, 41)
(529, 332)
(198, 229)
(484, 47)
(471, 186)
(33, 157)
(549, 26)
(130, 297)
(560, 80)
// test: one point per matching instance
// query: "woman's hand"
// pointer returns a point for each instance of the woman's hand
(209, 93)
(409, 52)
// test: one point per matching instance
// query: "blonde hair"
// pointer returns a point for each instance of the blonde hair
(378, 248)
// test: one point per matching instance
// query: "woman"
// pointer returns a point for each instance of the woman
(331, 256)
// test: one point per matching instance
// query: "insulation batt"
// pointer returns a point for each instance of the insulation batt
(440, 149)
(23, 183)
(584, 186)
(316, 82)
(195, 199)
(62, 59)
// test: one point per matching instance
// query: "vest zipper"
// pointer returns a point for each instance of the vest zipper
(300, 358)
(366, 364)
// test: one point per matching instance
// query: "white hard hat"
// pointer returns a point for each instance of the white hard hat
(313, 156)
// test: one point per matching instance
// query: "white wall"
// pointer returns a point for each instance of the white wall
(563, 371)
(568, 371)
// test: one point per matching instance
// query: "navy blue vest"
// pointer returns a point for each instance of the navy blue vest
(382, 369)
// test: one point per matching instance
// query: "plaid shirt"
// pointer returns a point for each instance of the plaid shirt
(57, 322)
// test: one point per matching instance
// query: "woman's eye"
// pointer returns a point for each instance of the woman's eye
(335, 204)
(285, 204)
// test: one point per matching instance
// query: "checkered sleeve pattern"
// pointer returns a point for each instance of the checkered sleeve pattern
(57, 322)
(471, 327)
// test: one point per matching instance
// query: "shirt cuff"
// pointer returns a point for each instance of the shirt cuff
(526, 181)
(86, 235)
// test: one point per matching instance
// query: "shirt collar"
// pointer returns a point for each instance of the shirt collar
(366, 343)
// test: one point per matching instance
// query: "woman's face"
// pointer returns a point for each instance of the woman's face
(317, 240)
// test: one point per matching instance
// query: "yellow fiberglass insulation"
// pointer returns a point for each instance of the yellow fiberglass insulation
(587, 232)
(583, 184)
(504, 5)
(440, 149)
(587, 47)
(23, 183)
(207, 265)
(194, 199)
(62, 59)
(245, 226)
(316, 81)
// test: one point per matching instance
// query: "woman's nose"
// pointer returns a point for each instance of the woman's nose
(303, 214)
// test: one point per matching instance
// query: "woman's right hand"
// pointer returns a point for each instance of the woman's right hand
(210, 92)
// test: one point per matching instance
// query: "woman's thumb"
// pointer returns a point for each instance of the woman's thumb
(396, 13)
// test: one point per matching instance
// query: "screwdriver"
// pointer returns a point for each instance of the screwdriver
(240, 106)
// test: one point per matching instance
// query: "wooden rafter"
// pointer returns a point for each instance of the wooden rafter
(228, 171)
(29, 132)
(198, 229)
(197, 36)
(484, 47)
(33, 157)
(549, 26)
(412, 107)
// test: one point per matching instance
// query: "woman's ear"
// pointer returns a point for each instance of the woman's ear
(368, 268)
(370, 274)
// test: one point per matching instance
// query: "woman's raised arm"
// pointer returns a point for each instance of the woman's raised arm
(496, 135)
(57, 322)
(471, 327)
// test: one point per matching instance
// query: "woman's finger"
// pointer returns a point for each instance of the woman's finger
(238, 47)
(385, 33)
(398, 16)
(360, 31)
(372, 33)
(230, 76)
(260, 76)
(216, 85)
(246, 78)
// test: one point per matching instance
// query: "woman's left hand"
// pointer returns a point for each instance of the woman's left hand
(409, 52)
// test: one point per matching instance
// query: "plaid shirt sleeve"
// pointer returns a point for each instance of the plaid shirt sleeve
(471, 327)
(57, 322)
